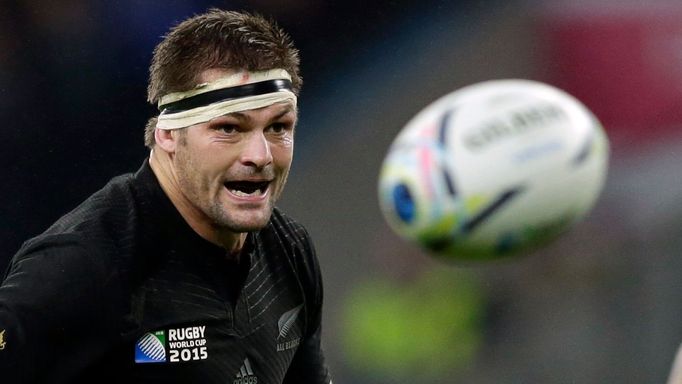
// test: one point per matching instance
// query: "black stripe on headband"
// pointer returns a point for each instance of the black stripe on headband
(202, 99)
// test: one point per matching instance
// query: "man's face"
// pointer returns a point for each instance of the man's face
(233, 168)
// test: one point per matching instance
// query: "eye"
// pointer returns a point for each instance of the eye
(227, 128)
(278, 127)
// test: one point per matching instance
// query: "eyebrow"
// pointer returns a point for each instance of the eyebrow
(241, 116)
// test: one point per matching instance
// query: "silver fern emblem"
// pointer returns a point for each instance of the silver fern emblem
(287, 320)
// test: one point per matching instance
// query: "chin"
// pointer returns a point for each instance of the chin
(245, 227)
(247, 223)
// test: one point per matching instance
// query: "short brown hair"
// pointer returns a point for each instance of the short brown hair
(217, 39)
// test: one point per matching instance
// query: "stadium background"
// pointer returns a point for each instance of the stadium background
(601, 305)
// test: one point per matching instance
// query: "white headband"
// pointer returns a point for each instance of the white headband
(238, 92)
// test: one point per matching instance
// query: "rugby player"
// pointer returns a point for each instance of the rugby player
(183, 271)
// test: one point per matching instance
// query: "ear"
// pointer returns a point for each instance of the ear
(166, 139)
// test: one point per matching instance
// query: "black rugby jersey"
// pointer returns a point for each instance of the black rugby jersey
(121, 289)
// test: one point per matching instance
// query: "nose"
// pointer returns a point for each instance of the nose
(256, 151)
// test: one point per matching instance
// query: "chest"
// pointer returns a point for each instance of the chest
(190, 328)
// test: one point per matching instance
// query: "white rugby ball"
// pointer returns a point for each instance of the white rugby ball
(493, 169)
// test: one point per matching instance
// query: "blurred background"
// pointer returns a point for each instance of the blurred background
(600, 305)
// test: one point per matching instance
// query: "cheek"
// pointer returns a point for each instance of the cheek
(199, 167)
(286, 146)
(283, 155)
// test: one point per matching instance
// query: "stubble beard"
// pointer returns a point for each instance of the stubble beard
(222, 220)
(210, 205)
(199, 193)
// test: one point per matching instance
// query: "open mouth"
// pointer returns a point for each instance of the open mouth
(247, 188)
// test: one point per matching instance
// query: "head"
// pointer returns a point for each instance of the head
(226, 171)
(217, 39)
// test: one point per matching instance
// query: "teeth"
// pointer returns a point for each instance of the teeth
(237, 192)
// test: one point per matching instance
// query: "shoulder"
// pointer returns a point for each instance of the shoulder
(297, 242)
(57, 245)
(292, 231)
(112, 202)
(300, 249)
(55, 258)
(104, 225)
(82, 249)
(58, 274)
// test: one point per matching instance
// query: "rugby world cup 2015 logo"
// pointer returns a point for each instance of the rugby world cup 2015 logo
(151, 348)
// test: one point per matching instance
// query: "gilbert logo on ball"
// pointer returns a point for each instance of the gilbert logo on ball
(493, 169)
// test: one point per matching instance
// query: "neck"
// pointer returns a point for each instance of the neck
(163, 169)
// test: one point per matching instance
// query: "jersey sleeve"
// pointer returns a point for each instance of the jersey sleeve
(53, 317)
(309, 366)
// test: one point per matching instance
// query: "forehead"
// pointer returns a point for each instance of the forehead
(213, 74)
